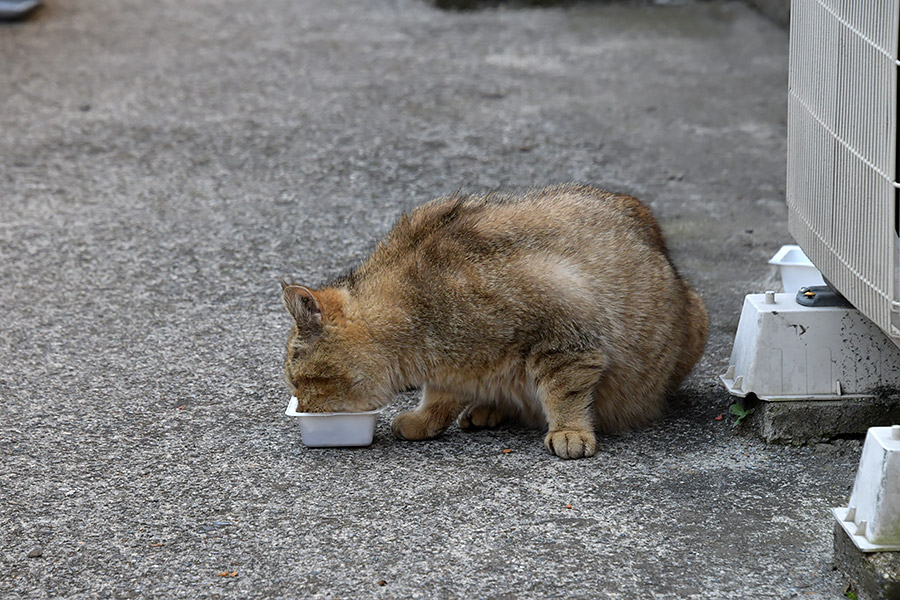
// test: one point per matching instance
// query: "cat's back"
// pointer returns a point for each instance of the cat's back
(563, 250)
(570, 219)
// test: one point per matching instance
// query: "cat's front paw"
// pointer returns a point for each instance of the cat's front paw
(412, 425)
(571, 443)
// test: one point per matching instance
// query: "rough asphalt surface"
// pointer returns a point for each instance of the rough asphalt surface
(163, 164)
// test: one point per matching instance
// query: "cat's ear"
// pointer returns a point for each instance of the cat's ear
(303, 305)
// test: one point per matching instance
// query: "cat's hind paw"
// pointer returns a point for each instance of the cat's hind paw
(479, 417)
(571, 443)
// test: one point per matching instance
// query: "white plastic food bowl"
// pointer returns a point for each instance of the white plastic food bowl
(796, 270)
(328, 430)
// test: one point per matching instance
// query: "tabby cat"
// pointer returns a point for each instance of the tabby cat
(558, 308)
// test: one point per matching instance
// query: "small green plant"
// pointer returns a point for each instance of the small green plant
(741, 414)
(850, 594)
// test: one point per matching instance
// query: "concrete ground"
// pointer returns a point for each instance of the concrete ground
(777, 10)
(163, 164)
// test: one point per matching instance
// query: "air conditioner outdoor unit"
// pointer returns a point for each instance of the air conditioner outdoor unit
(842, 149)
(842, 199)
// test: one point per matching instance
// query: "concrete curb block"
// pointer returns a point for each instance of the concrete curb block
(873, 576)
(802, 422)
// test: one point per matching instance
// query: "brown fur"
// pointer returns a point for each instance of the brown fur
(559, 308)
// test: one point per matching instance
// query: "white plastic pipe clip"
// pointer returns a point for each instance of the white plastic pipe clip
(872, 519)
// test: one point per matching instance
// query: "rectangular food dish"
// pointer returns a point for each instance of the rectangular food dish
(328, 430)
(796, 269)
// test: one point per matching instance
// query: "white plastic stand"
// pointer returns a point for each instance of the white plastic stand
(872, 519)
(784, 351)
